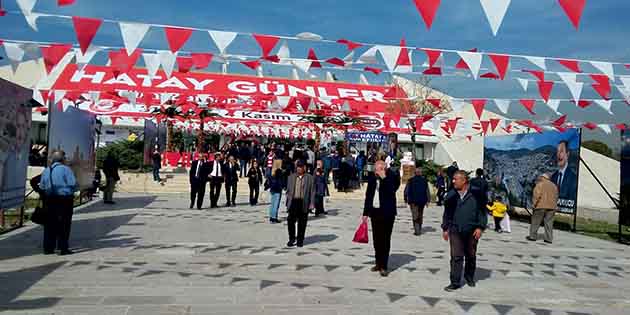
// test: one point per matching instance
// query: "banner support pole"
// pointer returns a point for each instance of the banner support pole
(574, 229)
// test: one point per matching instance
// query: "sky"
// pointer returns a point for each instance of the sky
(538, 28)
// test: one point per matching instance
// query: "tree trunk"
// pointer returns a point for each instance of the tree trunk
(200, 137)
(169, 136)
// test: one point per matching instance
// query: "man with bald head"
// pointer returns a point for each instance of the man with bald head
(58, 184)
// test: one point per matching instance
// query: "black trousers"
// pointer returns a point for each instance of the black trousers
(440, 196)
(497, 223)
(197, 191)
(319, 205)
(254, 191)
(299, 215)
(463, 245)
(215, 190)
(230, 193)
(59, 221)
(382, 237)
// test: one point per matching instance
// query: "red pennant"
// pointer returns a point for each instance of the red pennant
(376, 71)
(121, 62)
(582, 103)
(427, 9)
(529, 124)
(490, 75)
(350, 44)
(572, 65)
(469, 138)
(494, 123)
(478, 105)
(621, 126)
(501, 62)
(435, 102)
(252, 64)
(52, 55)
(433, 71)
(336, 61)
(433, 56)
(627, 65)
(560, 121)
(177, 37)
(602, 87)
(184, 64)
(529, 105)
(311, 56)
(114, 119)
(266, 42)
(484, 126)
(86, 29)
(540, 75)
(545, 88)
(590, 125)
(508, 129)
(62, 3)
(573, 9)
(273, 58)
(446, 129)
(201, 60)
(461, 64)
(403, 56)
(452, 124)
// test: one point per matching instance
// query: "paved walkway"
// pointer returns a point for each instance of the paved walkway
(151, 255)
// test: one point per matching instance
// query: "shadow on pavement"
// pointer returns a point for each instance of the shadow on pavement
(400, 260)
(123, 203)
(319, 239)
(14, 283)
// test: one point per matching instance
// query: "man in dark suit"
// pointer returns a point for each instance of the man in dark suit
(215, 178)
(417, 195)
(450, 172)
(565, 178)
(230, 172)
(300, 200)
(198, 176)
(380, 206)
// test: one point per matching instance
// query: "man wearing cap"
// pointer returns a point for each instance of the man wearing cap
(300, 199)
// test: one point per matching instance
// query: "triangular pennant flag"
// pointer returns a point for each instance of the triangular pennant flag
(554, 104)
(427, 9)
(38, 96)
(201, 60)
(222, 39)
(529, 105)
(314, 60)
(184, 64)
(363, 79)
(495, 12)
(478, 105)
(560, 121)
(26, 6)
(540, 75)
(336, 61)
(303, 65)
(31, 19)
(435, 102)
(621, 126)
(62, 3)
(152, 63)
(573, 9)
(53, 54)
(523, 83)
(494, 123)
(403, 57)
(472, 60)
(121, 62)
(132, 34)
(605, 104)
(266, 43)
(574, 87)
(538, 61)
(284, 53)
(177, 37)
(15, 53)
(503, 105)
(252, 64)
(544, 88)
(433, 56)
(349, 58)
(583, 103)
(501, 62)
(83, 59)
(86, 29)
(390, 55)
(167, 60)
(606, 128)
(349, 44)
(602, 87)
(376, 71)
(572, 65)
(484, 126)
(589, 125)
(490, 75)
(606, 68)
(329, 77)
(369, 56)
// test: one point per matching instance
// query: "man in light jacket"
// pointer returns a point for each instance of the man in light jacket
(545, 202)
(300, 200)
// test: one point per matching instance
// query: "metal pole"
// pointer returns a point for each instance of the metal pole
(578, 180)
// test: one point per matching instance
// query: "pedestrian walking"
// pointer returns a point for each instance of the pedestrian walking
(216, 179)
(321, 191)
(156, 157)
(230, 172)
(275, 184)
(545, 204)
(417, 195)
(300, 199)
(254, 180)
(110, 169)
(198, 176)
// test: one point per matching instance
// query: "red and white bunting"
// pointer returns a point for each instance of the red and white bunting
(573, 9)
(523, 83)
(478, 105)
(538, 61)
(572, 65)
(529, 105)
(53, 54)
(473, 61)
(63, 3)
(167, 60)
(606, 105)
(83, 59)
(349, 44)
(427, 9)
(222, 39)
(544, 88)
(201, 60)
(554, 105)
(501, 62)
(152, 63)
(85, 29)
(177, 37)
(314, 61)
(15, 53)
(369, 56)
(390, 55)
(606, 68)
(132, 34)
(495, 11)
(433, 56)
(503, 105)
(570, 79)
(266, 43)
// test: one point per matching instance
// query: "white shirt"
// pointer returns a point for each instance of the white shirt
(377, 199)
(388, 161)
(216, 169)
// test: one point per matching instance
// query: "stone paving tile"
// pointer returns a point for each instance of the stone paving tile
(148, 257)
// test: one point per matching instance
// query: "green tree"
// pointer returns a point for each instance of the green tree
(130, 154)
(599, 147)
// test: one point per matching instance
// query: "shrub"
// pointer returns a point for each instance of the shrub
(130, 154)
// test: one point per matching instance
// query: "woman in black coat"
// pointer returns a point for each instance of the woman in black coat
(254, 179)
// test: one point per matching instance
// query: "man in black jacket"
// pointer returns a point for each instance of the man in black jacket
(198, 175)
(479, 182)
(380, 206)
(417, 196)
(463, 222)
(216, 178)
(230, 171)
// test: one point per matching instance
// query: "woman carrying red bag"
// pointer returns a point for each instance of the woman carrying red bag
(380, 206)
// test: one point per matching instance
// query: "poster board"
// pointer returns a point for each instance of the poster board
(73, 131)
(514, 162)
(624, 211)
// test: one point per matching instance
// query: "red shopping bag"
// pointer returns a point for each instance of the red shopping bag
(361, 235)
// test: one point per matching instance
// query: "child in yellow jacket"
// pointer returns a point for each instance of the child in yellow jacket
(497, 209)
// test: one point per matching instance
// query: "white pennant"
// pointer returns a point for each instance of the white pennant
(349, 59)
(605, 128)
(38, 97)
(524, 83)
(406, 69)
(84, 59)
(132, 34)
(152, 62)
(59, 95)
(222, 39)
(15, 53)
(554, 104)
(390, 55)
(294, 74)
(302, 64)
(606, 68)
(26, 6)
(329, 77)
(369, 57)
(503, 105)
(605, 104)
(473, 60)
(284, 53)
(363, 79)
(31, 19)
(538, 61)
(495, 12)
(570, 79)
(626, 81)
(167, 60)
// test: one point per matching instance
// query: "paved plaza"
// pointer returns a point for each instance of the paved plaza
(152, 255)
